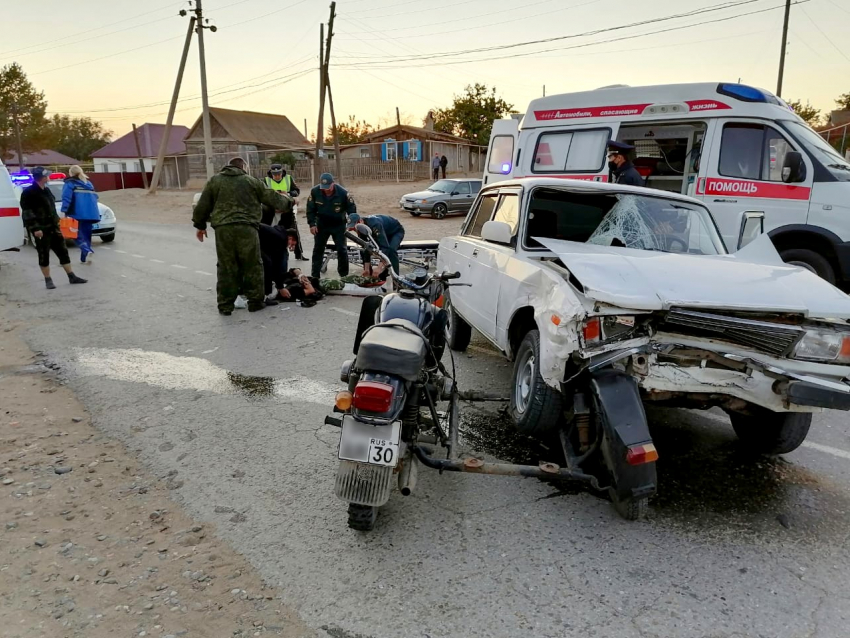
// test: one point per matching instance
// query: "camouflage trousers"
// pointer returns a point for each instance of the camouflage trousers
(339, 284)
(239, 267)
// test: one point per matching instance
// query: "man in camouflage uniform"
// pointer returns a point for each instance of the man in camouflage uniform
(232, 203)
(327, 209)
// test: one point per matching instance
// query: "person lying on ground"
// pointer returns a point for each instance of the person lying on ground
(299, 287)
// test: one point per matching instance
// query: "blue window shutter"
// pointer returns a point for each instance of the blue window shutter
(404, 148)
(419, 151)
(384, 152)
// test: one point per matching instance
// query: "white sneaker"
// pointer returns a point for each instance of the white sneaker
(241, 303)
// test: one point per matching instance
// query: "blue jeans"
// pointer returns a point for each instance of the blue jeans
(84, 229)
(395, 242)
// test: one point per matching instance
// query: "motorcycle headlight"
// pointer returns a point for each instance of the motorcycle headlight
(598, 330)
(823, 346)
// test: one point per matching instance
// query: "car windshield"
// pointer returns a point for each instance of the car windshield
(622, 220)
(443, 186)
(56, 189)
(820, 148)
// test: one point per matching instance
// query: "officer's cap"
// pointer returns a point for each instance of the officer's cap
(353, 220)
(39, 172)
(276, 168)
(326, 180)
(620, 147)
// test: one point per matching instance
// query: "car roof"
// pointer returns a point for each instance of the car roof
(586, 185)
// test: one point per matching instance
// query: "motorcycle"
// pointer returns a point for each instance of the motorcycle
(395, 384)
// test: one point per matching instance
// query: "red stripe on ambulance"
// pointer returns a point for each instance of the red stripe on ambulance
(745, 188)
(10, 212)
(706, 105)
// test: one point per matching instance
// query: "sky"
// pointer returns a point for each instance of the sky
(116, 60)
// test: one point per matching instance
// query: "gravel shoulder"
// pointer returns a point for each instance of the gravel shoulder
(92, 545)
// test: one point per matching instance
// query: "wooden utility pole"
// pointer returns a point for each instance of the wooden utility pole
(337, 158)
(20, 146)
(397, 116)
(305, 128)
(208, 152)
(163, 145)
(782, 51)
(141, 159)
(320, 127)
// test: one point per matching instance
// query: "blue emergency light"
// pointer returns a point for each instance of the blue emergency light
(21, 178)
(506, 168)
(746, 93)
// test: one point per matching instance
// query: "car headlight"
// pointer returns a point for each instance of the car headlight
(421, 201)
(823, 345)
(108, 214)
(597, 330)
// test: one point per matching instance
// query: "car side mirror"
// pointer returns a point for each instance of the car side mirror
(793, 168)
(752, 227)
(455, 192)
(363, 229)
(497, 232)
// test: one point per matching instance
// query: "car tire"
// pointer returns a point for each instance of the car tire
(362, 517)
(439, 211)
(458, 332)
(534, 407)
(810, 260)
(107, 238)
(766, 432)
(415, 213)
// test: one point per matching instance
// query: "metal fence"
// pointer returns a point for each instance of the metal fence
(839, 138)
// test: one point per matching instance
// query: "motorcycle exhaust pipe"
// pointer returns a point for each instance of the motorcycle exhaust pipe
(407, 477)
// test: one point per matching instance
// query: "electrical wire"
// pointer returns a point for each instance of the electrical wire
(828, 39)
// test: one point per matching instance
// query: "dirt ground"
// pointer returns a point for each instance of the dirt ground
(372, 198)
(91, 545)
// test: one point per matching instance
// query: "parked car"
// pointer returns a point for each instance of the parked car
(445, 197)
(607, 296)
(105, 229)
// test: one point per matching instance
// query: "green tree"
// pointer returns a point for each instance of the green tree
(471, 115)
(283, 157)
(350, 132)
(77, 137)
(810, 114)
(843, 102)
(20, 100)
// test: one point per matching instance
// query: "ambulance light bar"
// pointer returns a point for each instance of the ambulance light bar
(746, 93)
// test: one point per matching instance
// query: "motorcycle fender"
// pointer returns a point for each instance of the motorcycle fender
(624, 422)
(363, 484)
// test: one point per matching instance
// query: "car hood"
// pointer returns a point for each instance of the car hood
(753, 280)
(100, 208)
(424, 195)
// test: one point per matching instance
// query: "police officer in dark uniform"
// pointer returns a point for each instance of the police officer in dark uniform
(622, 169)
(327, 209)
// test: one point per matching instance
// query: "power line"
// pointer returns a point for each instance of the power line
(828, 39)
(578, 46)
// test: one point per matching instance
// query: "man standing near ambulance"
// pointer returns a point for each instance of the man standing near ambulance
(622, 169)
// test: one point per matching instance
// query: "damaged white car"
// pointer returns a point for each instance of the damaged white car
(608, 296)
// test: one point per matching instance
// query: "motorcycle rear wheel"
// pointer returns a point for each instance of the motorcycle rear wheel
(362, 517)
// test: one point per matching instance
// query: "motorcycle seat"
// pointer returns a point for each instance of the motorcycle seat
(395, 347)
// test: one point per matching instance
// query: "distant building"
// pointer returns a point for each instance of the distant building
(242, 133)
(45, 158)
(838, 118)
(121, 155)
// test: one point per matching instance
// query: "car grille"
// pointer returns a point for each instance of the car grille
(409, 200)
(773, 338)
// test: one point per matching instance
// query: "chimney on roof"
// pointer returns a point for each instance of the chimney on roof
(429, 121)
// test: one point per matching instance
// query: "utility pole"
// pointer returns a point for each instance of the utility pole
(163, 144)
(397, 117)
(305, 128)
(141, 159)
(320, 127)
(18, 136)
(337, 158)
(782, 53)
(208, 152)
(544, 90)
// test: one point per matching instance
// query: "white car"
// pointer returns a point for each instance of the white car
(608, 296)
(105, 229)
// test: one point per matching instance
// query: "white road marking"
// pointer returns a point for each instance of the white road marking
(105, 248)
(345, 312)
(157, 261)
(210, 351)
(178, 266)
(123, 252)
(139, 256)
(842, 454)
(201, 272)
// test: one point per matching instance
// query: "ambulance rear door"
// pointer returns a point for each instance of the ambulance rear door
(501, 155)
(11, 226)
(742, 172)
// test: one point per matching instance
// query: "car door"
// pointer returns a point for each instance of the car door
(462, 197)
(744, 173)
(11, 224)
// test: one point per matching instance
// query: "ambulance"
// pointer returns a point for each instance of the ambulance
(11, 226)
(736, 148)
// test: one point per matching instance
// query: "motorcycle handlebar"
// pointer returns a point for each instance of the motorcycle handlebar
(356, 239)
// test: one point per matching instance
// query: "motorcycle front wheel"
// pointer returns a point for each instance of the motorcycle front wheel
(362, 517)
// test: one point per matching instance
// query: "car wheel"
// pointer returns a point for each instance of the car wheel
(811, 261)
(766, 432)
(458, 332)
(107, 238)
(439, 211)
(535, 407)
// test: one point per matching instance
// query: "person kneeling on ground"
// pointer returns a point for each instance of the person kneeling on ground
(274, 248)
(40, 218)
(387, 232)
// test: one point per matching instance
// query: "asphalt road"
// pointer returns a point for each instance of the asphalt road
(733, 547)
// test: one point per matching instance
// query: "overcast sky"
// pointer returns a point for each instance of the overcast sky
(116, 60)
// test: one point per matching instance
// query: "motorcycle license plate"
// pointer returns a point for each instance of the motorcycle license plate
(95, 226)
(372, 444)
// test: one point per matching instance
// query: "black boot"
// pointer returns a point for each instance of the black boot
(76, 280)
(48, 282)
